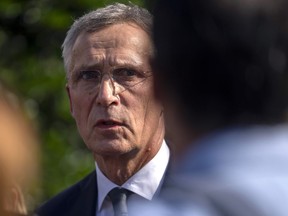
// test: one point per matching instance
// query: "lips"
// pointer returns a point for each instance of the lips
(108, 123)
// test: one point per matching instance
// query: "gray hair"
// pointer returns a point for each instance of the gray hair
(101, 18)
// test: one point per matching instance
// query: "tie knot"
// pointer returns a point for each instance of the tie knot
(118, 198)
(118, 192)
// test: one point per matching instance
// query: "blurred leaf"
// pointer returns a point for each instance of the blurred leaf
(57, 19)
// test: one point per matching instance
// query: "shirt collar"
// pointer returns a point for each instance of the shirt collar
(145, 182)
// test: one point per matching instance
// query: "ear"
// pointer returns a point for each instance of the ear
(70, 99)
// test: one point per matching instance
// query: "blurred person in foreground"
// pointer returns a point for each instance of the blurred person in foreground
(221, 71)
(107, 55)
(18, 156)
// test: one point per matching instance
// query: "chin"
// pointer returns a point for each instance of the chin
(112, 147)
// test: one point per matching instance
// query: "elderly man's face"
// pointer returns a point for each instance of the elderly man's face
(120, 117)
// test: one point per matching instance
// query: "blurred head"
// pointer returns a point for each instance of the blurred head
(221, 63)
(107, 55)
(18, 155)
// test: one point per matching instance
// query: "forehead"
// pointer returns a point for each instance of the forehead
(116, 43)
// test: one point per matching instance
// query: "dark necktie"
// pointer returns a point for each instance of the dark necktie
(119, 198)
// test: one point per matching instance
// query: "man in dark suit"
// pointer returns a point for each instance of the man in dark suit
(107, 55)
(222, 75)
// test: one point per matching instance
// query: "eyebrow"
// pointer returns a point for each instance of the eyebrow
(97, 62)
(99, 66)
(92, 66)
(114, 61)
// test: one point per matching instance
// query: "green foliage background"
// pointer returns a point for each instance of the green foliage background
(31, 34)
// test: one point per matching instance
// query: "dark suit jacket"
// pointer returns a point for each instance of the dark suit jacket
(78, 200)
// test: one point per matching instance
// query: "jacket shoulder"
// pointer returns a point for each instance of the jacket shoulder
(71, 199)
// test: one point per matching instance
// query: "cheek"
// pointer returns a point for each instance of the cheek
(144, 109)
(80, 106)
(133, 108)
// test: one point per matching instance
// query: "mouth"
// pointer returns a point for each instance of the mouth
(108, 123)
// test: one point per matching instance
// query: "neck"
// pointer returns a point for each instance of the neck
(118, 170)
(185, 139)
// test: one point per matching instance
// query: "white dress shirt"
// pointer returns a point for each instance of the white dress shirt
(145, 183)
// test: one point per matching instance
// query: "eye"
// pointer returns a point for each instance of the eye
(124, 72)
(89, 75)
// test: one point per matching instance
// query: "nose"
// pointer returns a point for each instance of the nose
(106, 94)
